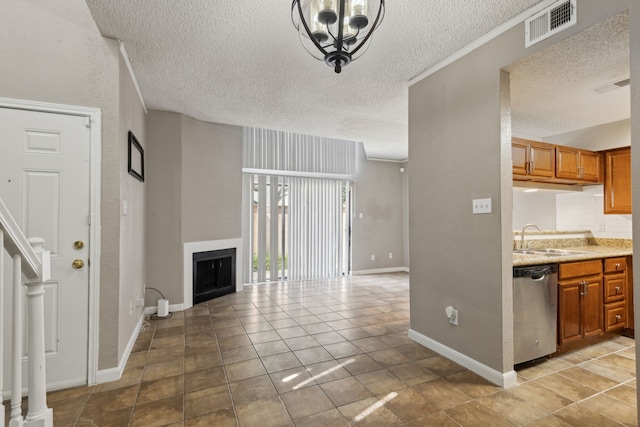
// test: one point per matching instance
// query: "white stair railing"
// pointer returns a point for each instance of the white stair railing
(30, 261)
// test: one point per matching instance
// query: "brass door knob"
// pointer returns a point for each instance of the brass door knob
(78, 244)
(77, 263)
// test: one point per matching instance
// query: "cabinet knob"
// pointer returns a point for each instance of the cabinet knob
(617, 265)
(617, 289)
(618, 317)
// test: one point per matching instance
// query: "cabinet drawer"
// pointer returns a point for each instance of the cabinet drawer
(614, 288)
(614, 317)
(615, 265)
(579, 269)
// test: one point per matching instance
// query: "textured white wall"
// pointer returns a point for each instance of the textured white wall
(537, 208)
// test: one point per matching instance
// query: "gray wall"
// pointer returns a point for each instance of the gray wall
(194, 193)
(132, 224)
(378, 196)
(596, 138)
(458, 258)
(211, 181)
(53, 52)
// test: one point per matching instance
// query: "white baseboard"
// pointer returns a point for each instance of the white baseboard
(114, 374)
(504, 380)
(380, 270)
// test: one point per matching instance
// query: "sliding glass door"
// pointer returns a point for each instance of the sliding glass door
(300, 228)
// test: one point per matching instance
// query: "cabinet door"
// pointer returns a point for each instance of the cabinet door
(543, 158)
(590, 166)
(592, 307)
(614, 317)
(567, 162)
(614, 287)
(519, 156)
(569, 313)
(617, 182)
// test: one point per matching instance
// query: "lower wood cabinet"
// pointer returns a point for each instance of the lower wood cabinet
(580, 309)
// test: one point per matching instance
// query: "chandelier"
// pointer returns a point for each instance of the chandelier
(337, 31)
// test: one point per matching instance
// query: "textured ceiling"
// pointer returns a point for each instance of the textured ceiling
(244, 65)
(552, 91)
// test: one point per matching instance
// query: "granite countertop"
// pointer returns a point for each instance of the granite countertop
(591, 252)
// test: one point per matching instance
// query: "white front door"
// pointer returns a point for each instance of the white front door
(44, 181)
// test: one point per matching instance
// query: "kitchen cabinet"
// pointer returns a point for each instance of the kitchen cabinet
(575, 164)
(580, 306)
(532, 159)
(615, 288)
(617, 181)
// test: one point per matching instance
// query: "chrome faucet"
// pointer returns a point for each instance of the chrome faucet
(522, 235)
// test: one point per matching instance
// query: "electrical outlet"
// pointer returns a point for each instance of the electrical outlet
(481, 206)
(453, 319)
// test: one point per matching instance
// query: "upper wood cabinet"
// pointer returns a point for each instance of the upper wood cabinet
(573, 163)
(532, 159)
(617, 181)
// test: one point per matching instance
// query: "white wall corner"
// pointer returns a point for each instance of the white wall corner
(114, 374)
(505, 380)
(133, 76)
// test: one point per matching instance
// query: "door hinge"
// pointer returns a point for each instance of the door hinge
(88, 124)
(89, 219)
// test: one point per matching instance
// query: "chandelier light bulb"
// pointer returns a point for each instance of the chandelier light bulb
(336, 31)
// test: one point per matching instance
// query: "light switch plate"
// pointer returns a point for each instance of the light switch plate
(481, 206)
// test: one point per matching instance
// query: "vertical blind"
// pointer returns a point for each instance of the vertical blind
(300, 216)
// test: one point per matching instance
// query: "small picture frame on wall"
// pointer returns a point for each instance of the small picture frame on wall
(136, 157)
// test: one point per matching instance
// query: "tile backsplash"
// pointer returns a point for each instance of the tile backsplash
(585, 211)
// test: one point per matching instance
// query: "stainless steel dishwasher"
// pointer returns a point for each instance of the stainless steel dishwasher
(535, 311)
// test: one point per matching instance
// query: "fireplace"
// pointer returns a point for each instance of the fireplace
(214, 274)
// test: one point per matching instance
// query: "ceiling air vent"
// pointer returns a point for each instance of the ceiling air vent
(612, 86)
(550, 21)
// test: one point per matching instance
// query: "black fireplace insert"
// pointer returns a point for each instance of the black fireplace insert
(214, 274)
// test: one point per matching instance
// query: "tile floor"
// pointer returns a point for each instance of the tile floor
(336, 353)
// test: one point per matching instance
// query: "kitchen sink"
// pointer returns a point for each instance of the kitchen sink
(548, 252)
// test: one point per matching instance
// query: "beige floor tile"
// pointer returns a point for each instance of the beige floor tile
(291, 379)
(407, 404)
(359, 364)
(625, 393)
(252, 389)
(620, 361)
(306, 401)
(280, 362)
(63, 410)
(262, 413)
(162, 354)
(309, 356)
(264, 336)
(549, 421)
(389, 357)
(369, 412)
(345, 391)
(159, 413)
(380, 382)
(327, 338)
(440, 366)
(539, 397)
(230, 331)
(581, 416)
(207, 400)
(565, 387)
(204, 378)
(222, 418)
(130, 376)
(242, 370)
(476, 414)
(608, 370)
(332, 418)
(160, 389)
(441, 393)
(271, 348)
(317, 328)
(413, 351)
(80, 393)
(612, 408)
(165, 369)
(342, 349)
(239, 354)
(198, 362)
(107, 419)
(512, 408)
(354, 333)
(233, 342)
(472, 384)
(438, 419)
(412, 374)
(111, 400)
(300, 343)
(588, 378)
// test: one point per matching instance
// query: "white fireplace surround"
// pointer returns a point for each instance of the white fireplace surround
(211, 245)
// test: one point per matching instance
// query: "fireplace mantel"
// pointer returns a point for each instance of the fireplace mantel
(210, 245)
